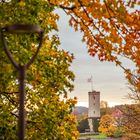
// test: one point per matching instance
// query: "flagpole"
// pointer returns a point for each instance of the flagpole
(91, 83)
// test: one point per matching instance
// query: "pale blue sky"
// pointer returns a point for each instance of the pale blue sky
(107, 78)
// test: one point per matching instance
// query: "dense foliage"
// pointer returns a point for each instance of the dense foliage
(83, 125)
(131, 121)
(131, 115)
(107, 125)
(48, 110)
(111, 29)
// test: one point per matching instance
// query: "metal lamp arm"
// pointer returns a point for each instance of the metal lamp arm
(37, 51)
(15, 64)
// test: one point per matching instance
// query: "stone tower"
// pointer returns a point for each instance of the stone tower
(94, 108)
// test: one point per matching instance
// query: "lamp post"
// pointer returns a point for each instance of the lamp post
(22, 29)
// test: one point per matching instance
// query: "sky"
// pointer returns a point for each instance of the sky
(107, 78)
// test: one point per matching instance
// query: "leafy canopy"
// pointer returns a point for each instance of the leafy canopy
(111, 29)
(49, 79)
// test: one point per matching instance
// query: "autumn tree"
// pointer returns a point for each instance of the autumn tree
(131, 115)
(49, 79)
(134, 94)
(110, 29)
(106, 125)
(131, 121)
(104, 107)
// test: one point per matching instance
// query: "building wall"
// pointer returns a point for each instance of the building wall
(94, 104)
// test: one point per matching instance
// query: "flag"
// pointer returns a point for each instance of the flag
(90, 79)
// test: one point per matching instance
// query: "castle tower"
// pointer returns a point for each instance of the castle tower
(94, 108)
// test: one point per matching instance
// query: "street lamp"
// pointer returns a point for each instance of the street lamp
(22, 29)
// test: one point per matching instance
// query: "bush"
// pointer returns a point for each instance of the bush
(83, 124)
(118, 133)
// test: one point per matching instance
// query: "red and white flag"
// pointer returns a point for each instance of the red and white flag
(90, 79)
